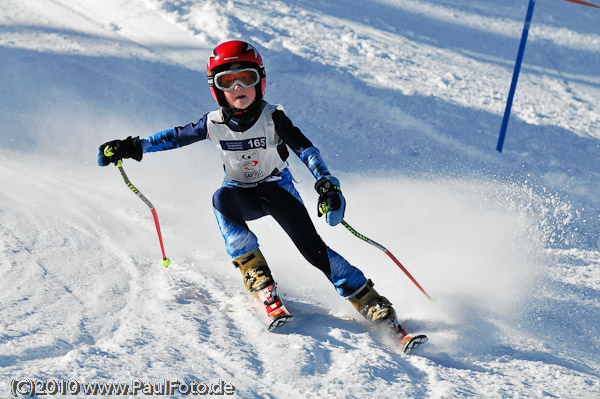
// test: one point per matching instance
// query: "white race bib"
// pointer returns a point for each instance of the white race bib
(249, 156)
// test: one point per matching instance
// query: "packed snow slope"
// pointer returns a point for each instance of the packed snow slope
(404, 98)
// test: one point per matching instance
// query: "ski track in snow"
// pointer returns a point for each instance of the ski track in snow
(507, 244)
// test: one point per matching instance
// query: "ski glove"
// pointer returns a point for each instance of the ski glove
(331, 201)
(114, 151)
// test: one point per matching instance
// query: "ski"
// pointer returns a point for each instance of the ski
(408, 342)
(279, 321)
(412, 343)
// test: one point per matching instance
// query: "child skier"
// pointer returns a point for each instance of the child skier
(253, 137)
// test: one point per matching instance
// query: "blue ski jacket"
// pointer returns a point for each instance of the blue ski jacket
(240, 121)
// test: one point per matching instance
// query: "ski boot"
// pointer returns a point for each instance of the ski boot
(259, 282)
(378, 310)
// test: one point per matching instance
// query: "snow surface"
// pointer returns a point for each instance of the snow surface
(404, 98)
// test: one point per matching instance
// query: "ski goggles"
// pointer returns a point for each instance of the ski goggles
(227, 80)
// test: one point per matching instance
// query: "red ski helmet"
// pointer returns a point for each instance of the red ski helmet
(226, 55)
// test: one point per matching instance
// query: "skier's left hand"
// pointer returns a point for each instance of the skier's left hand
(331, 201)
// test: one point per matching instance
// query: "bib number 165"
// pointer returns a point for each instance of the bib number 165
(258, 143)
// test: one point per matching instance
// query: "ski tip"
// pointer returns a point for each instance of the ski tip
(279, 321)
(414, 343)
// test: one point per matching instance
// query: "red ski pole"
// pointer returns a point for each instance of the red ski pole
(165, 261)
(431, 299)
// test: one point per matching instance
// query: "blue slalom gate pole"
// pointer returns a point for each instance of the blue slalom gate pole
(515, 78)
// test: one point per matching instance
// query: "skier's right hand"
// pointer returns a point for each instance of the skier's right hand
(115, 150)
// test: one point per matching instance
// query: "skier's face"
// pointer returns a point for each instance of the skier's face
(240, 97)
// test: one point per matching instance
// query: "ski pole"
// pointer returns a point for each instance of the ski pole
(165, 261)
(431, 299)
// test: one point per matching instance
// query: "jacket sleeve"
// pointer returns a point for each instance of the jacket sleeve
(300, 144)
(176, 137)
